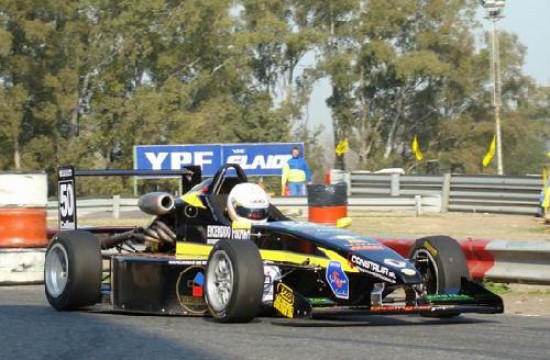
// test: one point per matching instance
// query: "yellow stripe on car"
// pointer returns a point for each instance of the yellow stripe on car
(193, 199)
(185, 250)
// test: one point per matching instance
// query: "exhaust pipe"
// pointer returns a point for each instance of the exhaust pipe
(156, 203)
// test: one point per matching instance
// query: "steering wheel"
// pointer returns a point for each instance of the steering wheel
(217, 182)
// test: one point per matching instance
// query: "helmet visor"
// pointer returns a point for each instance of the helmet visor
(251, 213)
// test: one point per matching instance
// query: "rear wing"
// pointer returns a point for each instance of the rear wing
(66, 185)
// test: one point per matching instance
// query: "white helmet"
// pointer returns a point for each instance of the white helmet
(248, 202)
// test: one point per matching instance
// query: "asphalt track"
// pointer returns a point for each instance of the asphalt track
(31, 329)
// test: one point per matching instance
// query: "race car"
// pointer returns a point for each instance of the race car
(223, 250)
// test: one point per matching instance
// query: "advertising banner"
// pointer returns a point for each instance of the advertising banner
(260, 159)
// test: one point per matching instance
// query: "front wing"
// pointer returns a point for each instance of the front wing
(472, 298)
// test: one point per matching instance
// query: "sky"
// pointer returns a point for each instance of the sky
(529, 19)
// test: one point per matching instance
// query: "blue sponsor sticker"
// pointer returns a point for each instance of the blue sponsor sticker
(337, 280)
(199, 279)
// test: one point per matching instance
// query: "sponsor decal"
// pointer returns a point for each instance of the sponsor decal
(198, 283)
(284, 300)
(297, 224)
(240, 234)
(390, 308)
(430, 248)
(356, 242)
(409, 272)
(189, 290)
(353, 241)
(320, 301)
(65, 173)
(337, 280)
(187, 262)
(372, 268)
(218, 232)
(259, 161)
(177, 159)
(395, 263)
(271, 273)
(367, 247)
(342, 237)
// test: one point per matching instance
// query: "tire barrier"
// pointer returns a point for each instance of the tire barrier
(327, 203)
(496, 260)
(23, 235)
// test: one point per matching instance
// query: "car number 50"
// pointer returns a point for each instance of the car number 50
(66, 199)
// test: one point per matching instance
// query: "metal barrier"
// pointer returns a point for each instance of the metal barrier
(466, 193)
(496, 260)
(495, 194)
(395, 192)
(418, 204)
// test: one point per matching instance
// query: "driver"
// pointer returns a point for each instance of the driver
(248, 202)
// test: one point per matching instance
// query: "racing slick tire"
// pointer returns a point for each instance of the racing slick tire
(234, 281)
(442, 264)
(72, 270)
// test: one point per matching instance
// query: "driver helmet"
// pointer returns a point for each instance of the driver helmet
(248, 202)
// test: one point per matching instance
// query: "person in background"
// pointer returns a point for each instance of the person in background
(296, 174)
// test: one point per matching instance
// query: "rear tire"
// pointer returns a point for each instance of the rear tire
(442, 264)
(72, 270)
(234, 281)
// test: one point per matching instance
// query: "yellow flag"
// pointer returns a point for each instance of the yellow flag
(342, 147)
(416, 149)
(491, 153)
(546, 190)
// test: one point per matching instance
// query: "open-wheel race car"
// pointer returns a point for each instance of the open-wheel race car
(223, 250)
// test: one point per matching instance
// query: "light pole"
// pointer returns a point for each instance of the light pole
(494, 10)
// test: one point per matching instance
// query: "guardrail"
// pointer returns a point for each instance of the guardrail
(394, 192)
(496, 260)
(466, 193)
(418, 204)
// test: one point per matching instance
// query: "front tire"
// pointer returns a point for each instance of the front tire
(72, 270)
(442, 264)
(234, 281)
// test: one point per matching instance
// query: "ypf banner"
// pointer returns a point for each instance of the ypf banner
(256, 159)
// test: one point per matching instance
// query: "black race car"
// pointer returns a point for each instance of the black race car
(193, 260)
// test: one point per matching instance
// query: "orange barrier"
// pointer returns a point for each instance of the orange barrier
(327, 203)
(23, 228)
(327, 214)
(23, 199)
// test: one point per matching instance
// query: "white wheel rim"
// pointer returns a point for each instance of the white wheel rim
(421, 253)
(56, 270)
(219, 281)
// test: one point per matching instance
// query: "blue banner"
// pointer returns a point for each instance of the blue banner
(255, 159)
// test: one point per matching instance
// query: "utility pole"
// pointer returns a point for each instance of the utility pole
(494, 10)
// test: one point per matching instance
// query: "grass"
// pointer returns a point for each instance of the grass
(497, 288)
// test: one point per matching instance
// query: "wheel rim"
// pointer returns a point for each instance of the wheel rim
(426, 265)
(219, 281)
(56, 270)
